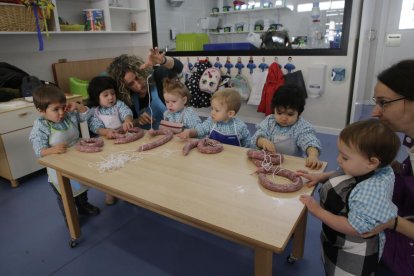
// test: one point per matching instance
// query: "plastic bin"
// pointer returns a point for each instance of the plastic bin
(79, 87)
(229, 46)
(191, 41)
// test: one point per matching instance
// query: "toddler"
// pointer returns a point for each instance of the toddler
(178, 115)
(109, 113)
(356, 199)
(222, 125)
(53, 132)
(285, 131)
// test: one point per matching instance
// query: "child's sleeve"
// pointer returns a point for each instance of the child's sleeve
(124, 110)
(204, 128)
(39, 137)
(307, 137)
(191, 119)
(370, 203)
(262, 130)
(94, 123)
(245, 137)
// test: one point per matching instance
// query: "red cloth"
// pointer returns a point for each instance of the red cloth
(274, 80)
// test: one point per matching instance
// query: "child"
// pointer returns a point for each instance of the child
(56, 130)
(222, 124)
(357, 199)
(285, 131)
(176, 96)
(109, 114)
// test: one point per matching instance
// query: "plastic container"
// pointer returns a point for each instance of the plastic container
(94, 20)
(191, 41)
(229, 46)
(79, 87)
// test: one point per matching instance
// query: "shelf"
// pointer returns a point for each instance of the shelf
(124, 9)
(248, 11)
(243, 32)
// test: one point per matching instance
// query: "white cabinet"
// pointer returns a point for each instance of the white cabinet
(16, 153)
(17, 157)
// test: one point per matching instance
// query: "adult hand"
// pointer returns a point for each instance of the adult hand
(154, 57)
(144, 119)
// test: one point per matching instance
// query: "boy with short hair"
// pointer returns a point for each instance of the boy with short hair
(356, 199)
(222, 125)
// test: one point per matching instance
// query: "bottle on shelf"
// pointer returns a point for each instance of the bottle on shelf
(316, 38)
(133, 26)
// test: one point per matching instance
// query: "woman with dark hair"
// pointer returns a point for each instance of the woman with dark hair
(394, 105)
(140, 84)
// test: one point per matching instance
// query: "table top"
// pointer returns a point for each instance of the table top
(19, 103)
(218, 192)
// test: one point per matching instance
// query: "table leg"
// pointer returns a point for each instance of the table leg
(69, 206)
(262, 262)
(299, 237)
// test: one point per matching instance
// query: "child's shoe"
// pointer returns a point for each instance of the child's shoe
(110, 199)
(88, 209)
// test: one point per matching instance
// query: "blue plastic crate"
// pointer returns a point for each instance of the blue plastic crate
(229, 46)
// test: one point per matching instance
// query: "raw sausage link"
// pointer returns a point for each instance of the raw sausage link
(189, 146)
(123, 138)
(296, 184)
(168, 135)
(209, 146)
(275, 158)
(89, 145)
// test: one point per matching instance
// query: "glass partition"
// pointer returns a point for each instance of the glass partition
(275, 27)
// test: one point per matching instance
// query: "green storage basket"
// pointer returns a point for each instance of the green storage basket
(191, 41)
(79, 87)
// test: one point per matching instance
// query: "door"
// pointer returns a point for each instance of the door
(376, 55)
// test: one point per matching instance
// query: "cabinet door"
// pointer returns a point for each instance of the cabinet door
(19, 152)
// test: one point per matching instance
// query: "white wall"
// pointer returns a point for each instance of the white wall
(21, 50)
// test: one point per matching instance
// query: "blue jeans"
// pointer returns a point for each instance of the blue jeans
(156, 106)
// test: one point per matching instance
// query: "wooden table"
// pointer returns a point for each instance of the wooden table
(217, 193)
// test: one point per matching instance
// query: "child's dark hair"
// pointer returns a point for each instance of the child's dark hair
(175, 87)
(44, 95)
(289, 96)
(97, 85)
(372, 138)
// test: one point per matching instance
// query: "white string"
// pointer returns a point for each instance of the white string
(149, 98)
(114, 161)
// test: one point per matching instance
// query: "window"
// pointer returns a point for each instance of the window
(244, 30)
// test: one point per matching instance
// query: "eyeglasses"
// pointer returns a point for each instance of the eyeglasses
(382, 103)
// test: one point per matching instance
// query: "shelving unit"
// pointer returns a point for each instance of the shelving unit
(117, 19)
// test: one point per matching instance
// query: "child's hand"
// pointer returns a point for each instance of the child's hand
(310, 203)
(59, 148)
(314, 178)
(266, 145)
(127, 125)
(110, 134)
(71, 106)
(313, 163)
(184, 135)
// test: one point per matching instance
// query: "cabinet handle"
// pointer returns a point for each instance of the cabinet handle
(23, 114)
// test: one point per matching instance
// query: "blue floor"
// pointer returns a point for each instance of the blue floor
(127, 240)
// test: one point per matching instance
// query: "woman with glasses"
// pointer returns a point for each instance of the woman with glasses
(140, 84)
(394, 105)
